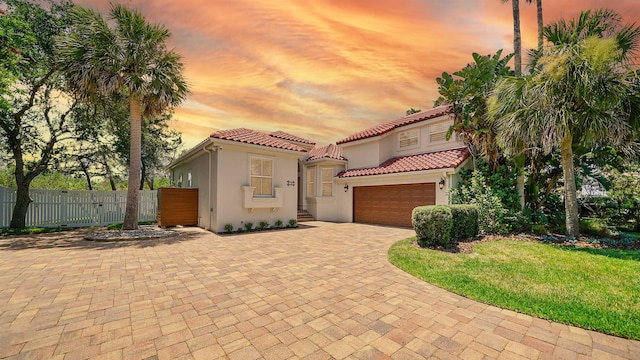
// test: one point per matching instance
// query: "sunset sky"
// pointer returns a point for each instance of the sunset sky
(323, 69)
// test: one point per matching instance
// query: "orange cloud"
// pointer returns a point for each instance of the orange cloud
(323, 69)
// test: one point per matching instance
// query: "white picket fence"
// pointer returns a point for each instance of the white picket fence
(75, 208)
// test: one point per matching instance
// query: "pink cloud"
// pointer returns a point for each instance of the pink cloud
(323, 69)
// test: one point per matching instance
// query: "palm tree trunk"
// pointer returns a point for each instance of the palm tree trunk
(540, 25)
(570, 193)
(519, 162)
(135, 165)
(517, 42)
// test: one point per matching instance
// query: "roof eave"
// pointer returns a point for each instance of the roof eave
(398, 174)
(223, 142)
(325, 160)
(191, 153)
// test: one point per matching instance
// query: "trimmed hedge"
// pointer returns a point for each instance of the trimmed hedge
(465, 221)
(439, 224)
(432, 225)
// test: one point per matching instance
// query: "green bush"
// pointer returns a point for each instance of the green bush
(119, 225)
(293, 223)
(539, 229)
(262, 225)
(248, 226)
(493, 216)
(465, 221)
(278, 223)
(228, 228)
(432, 225)
(594, 227)
(620, 213)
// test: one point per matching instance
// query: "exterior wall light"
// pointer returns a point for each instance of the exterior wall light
(291, 183)
(441, 183)
(346, 187)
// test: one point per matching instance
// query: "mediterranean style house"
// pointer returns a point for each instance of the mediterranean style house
(374, 176)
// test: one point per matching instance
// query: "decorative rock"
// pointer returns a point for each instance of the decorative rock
(144, 232)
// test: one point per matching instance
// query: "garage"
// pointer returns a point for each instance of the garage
(390, 204)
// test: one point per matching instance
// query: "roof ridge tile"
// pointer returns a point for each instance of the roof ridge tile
(248, 136)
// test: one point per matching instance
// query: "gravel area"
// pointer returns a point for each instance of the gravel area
(144, 232)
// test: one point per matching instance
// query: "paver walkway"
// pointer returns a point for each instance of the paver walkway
(324, 291)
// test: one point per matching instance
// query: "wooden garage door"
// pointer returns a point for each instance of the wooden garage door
(390, 204)
(177, 206)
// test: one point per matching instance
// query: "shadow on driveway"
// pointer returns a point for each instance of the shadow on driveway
(74, 239)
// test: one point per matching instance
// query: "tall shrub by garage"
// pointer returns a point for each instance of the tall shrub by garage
(432, 225)
(465, 221)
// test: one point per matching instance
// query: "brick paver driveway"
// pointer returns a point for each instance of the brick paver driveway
(324, 291)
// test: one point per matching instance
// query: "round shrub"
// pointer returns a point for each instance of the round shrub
(432, 225)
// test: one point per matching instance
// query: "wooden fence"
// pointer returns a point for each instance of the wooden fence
(75, 208)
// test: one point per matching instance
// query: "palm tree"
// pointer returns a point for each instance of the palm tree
(130, 58)
(540, 23)
(517, 41)
(600, 23)
(580, 94)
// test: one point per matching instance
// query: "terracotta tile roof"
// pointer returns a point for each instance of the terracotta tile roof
(256, 138)
(286, 136)
(429, 161)
(330, 151)
(405, 120)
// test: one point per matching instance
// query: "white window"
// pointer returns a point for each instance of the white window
(408, 138)
(327, 181)
(262, 176)
(311, 181)
(438, 132)
(189, 182)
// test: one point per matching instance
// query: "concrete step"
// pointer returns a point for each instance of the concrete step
(304, 215)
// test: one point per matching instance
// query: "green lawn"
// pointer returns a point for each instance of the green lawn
(32, 230)
(591, 288)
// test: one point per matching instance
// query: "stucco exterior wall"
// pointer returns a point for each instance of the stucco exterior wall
(374, 151)
(198, 167)
(233, 176)
(362, 155)
(387, 147)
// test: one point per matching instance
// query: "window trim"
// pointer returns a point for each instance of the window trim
(323, 182)
(444, 124)
(409, 138)
(251, 176)
(311, 181)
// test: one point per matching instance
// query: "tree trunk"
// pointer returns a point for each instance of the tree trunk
(135, 164)
(540, 25)
(519, 161)
(570, 193)
(109, 174)
(18, 218)
(87, 175)
(517, 42)
(142, 177)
